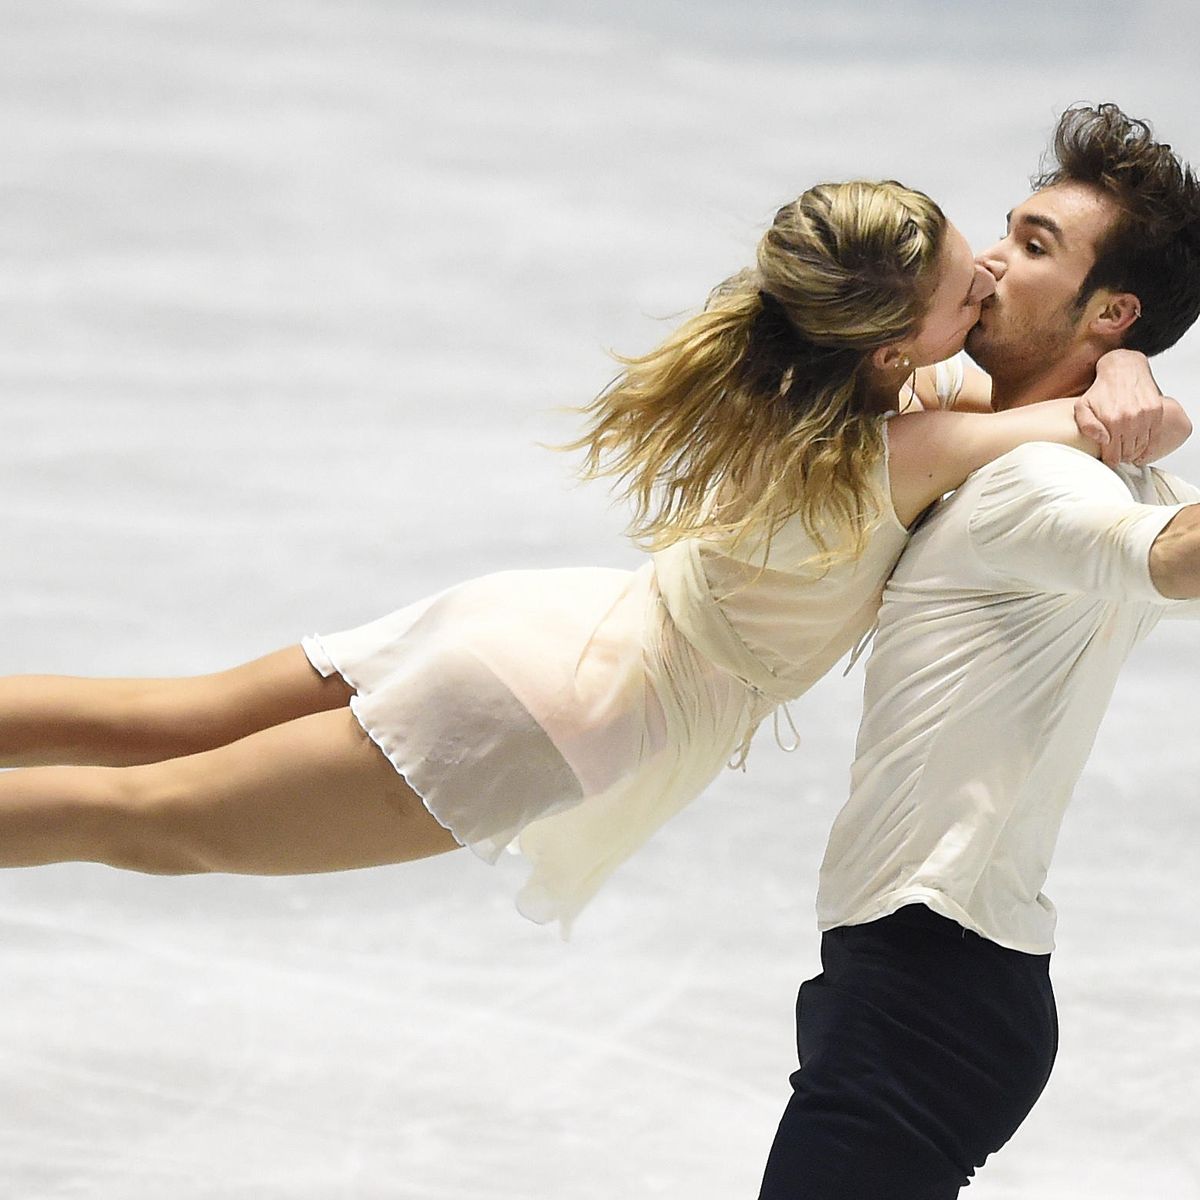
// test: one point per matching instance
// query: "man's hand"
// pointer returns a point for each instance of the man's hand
(1123, 410)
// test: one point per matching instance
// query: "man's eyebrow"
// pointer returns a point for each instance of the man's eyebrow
(1050, 225)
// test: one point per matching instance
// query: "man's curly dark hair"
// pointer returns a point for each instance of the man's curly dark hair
(1153, 247)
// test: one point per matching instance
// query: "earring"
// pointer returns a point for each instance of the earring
(905, 363)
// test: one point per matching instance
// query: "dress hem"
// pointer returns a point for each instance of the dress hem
(323, 662)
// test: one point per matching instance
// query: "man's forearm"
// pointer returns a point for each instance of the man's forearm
(1175, 556)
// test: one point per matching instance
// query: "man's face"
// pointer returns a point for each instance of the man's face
(1039, 265)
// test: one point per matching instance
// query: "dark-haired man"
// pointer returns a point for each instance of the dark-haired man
(932, 1029)
(1112, 233)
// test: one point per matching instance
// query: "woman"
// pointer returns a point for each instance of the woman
(573, 711)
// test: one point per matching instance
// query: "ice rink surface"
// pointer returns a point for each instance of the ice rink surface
(289, 295)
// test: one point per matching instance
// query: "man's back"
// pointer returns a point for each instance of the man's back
(1001, 635)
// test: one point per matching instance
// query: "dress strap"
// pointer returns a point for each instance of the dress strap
(948, 377)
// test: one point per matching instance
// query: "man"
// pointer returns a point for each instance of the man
(932, 1029)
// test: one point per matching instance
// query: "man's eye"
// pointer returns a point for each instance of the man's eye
(1034, 248)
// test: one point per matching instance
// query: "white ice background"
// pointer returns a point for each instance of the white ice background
(289, 295)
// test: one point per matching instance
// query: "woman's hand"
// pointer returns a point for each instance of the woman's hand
(1126, 414)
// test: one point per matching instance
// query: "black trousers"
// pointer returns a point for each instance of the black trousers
(922, 1048)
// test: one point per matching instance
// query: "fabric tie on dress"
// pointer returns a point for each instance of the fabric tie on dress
(787, 747)
(738, 760)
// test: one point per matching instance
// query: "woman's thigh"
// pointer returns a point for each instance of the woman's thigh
(312, 794)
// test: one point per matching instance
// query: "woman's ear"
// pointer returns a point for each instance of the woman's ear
(1116, 314)
(890, 359)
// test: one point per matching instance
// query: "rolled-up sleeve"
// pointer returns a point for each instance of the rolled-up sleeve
(1052, 519)
(1172, 490)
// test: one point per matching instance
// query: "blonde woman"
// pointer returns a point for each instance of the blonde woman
(570, 712)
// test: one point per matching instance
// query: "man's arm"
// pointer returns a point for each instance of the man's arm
(1048, 519)
(1175, 556)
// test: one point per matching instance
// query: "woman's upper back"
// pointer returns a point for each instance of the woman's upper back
(780, 614)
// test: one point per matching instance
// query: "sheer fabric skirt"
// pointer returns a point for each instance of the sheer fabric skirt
(556, 712)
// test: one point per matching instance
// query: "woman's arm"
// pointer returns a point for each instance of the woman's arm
(1122, 417)
(976, 392)
(1126, 413)
(931, 453)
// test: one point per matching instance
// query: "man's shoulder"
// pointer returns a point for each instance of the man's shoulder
(1043, 470)
(1047, 469)
(1023, 485)
(1154, 486)
(1049, 457)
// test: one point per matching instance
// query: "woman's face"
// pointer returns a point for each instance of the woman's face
(960, 287)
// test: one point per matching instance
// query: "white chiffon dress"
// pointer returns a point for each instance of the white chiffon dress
(568, 713)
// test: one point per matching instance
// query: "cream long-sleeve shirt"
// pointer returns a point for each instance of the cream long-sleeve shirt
(1001, 634)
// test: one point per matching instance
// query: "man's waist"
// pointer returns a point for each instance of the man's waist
(1025, 927)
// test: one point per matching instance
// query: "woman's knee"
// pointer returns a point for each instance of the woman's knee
(133, 819)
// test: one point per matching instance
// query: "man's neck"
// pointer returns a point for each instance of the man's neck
(1068, 377)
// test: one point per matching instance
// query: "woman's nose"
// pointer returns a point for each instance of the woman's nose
(985, 282)
(992, 263)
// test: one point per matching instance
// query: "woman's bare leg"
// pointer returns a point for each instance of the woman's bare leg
(313, 794)
(120, 722)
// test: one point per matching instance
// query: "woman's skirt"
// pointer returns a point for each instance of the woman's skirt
(556, 712)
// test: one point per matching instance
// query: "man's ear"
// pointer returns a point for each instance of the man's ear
(1115, 314)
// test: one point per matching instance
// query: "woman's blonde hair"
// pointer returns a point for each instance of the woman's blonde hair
(759, 408)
